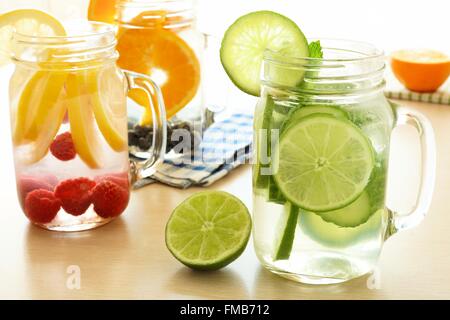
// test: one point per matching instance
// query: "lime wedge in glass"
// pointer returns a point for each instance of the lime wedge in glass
(323, 163)
(208, 230)
(246, 40)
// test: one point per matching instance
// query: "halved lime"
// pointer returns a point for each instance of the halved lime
(356, 213)
(245, 41)
(323, 163)
(303, 111)
(208, 230)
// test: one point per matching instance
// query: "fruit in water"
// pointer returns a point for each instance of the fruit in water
(121, 179)
(303, 111)
(109, 199)
(26, 184)
(82, 122)
(330, 234)
(112, 127)
(37, 107)
(75, 195)
(39, 114)
(41, 206)
(208, 230)
(62, 147)
(421, 70)
(323, 163)
(288, 224)
(166, 57)
(249, 37)
(356, 213)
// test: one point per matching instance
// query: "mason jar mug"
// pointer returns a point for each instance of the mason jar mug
(69, 127)
(322, 136)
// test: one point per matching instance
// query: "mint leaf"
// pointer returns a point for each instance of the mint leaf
(315, 50)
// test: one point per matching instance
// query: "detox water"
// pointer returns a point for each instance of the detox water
(314, 249)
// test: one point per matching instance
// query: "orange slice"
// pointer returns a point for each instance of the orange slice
(167, 58)
(102, 10)
(421, 70)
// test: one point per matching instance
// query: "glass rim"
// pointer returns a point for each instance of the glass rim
(277, 57)
(104, 29)
(149, 4)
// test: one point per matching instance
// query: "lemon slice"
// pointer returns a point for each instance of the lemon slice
(109, 112)
(40, 94)
(82, 122)
(25, 21)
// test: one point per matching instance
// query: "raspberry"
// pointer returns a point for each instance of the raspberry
(121, 179)
(109, 199)
(63, 148)
(75, 195)
(26, 184)
(41, 206)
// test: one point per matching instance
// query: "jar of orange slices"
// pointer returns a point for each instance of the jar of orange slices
(160, 39)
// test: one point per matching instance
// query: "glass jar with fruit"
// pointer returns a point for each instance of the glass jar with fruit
(69, 126)
(321, 149)
(160, 39)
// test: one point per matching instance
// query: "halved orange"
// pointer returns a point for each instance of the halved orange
(421, 70)
(167, 58)
(102, 10)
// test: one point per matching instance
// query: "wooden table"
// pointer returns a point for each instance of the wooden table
(128, 258)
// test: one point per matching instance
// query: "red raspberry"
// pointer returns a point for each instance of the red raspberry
(121, 179)
(41, 206)
(63, 148)
(26, 184)
(109, 199)
(75, 195)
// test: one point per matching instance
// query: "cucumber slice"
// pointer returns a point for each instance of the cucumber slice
(245, 41)
(304, 111)
(288, 225)
(329, 234)
(274, 116)
(358, 212)
(275, 194)
(262, 181)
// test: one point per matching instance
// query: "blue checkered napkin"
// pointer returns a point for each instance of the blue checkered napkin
(226, 145)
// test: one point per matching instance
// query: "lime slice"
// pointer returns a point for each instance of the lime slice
(288, 226)
(304, 111)
(323, 163)
(352, 215)
(208, 230)
(245, 41)
(331, 235)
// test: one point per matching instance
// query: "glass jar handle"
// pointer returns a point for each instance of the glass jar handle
(402, 221)
(156, 103)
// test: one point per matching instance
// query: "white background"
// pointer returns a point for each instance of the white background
(389, 24)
